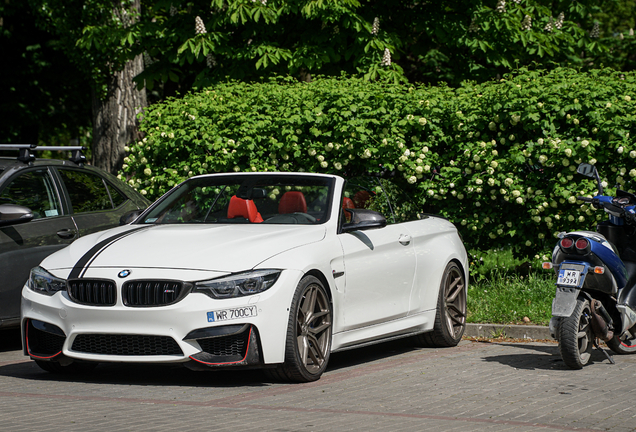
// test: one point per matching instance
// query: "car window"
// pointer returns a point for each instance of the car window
(367, 193)
(35, 190)
(87, 191)
(404, 208)
(117, 197)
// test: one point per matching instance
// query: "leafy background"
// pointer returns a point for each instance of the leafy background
(496, 158)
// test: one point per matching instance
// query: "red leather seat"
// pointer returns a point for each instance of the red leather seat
(292, 202)
(360, 198)
(347, 203)
(245, 208)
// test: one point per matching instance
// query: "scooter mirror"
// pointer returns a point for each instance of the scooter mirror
(586, 169)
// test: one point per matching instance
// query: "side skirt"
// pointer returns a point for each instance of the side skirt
(396, 329)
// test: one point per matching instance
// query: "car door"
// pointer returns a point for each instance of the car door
(379, 263)
(25, 245)
(95, 204)
(429, 236)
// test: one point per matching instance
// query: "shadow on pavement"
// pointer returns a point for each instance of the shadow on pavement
(139, 374)
(539, 357)
(370, 353)
(10, 340)
(177, 375)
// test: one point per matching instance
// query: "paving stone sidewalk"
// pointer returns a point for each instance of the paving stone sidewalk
(389, 387)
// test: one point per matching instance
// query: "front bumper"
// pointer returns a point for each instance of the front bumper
(56, 328)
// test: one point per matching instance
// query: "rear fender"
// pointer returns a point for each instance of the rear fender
(564, 301)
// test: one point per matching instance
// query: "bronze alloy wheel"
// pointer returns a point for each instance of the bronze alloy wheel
(309, 333)
(313, 328)
(455, 303)
(450, 317)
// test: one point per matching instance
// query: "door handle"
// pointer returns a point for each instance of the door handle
(405, 239)
(66, 234)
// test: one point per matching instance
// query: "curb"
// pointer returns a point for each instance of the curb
(510, 331)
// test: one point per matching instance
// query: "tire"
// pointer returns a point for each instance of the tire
(576, 338)
(74, 368)
(622, 347)
(308, 344)
(450, 315)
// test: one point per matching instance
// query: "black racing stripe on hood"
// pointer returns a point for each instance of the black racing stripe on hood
(89, 256)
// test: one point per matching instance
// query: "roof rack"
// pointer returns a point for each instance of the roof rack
(26, 156)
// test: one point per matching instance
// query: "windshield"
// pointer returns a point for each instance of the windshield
(270, 199)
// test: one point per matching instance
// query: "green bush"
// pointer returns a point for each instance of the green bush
(497, 158)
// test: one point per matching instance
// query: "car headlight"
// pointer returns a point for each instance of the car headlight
(44, 282)
(238, 284)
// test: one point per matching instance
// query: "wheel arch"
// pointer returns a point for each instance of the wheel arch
(462, 268)
(321, 277)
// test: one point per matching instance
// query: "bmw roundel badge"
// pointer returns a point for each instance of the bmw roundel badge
(124, 273)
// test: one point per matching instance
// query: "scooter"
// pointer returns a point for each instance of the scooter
(596, 273)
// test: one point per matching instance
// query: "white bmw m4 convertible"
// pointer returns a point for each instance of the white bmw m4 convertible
(265, 270)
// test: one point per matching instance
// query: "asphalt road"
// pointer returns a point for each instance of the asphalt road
(390, 387)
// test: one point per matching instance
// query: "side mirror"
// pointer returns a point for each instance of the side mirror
(586, 169)
(589, 170)
(130, 216)
(13, 214)
(363, 219)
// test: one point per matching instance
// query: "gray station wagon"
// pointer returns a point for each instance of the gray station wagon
(45, 204)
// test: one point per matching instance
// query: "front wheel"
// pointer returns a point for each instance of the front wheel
(576, 338)
(620, 346)
(308, 334)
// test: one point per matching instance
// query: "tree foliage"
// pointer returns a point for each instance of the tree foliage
(428, 41)
(202, 42)
(43, 95)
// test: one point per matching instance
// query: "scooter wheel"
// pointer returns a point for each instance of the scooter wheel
(575, 336)
(622, 346)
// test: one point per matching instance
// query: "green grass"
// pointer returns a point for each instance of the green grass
(507, 299)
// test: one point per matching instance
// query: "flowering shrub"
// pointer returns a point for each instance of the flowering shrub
(498, 159)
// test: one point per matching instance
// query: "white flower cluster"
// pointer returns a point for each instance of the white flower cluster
(559, 21)
(263, 2)
(376, 26)
(473, 27)
(526, 24)
(596, 31)
(147, 59)
(199, 27)
(549, 26)
(386, 58)
(501, 6)
(173, 10)
(210, 60)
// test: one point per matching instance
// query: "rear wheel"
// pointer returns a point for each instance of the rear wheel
(576, 338)
(619, 346)
(450, 317)
(308, 334)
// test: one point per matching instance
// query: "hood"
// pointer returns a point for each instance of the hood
(223, 248)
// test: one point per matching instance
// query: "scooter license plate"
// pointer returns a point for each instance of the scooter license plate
(569, 277)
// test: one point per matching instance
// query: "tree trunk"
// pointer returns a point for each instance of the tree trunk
(115, 121)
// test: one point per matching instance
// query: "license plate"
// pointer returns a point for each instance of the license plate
(569, 277)
(232, 314)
